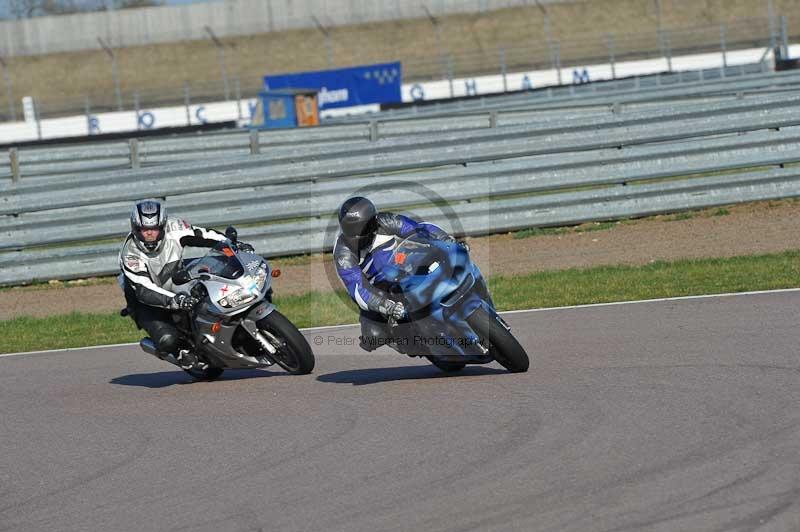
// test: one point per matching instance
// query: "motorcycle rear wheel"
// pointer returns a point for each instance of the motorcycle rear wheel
(503, 346)
(293, 352)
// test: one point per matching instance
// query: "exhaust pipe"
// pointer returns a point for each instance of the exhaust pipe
(148, 346)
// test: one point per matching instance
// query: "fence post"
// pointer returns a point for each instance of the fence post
(450, 74)
(88, 110)
(772, 30)
(13, 157)
(133, 152)
(557, 60)
(503, 69)
(438, 35)
(724, 48)
(187, 102)
(114, 73)
(238, 93)
(38, 119)
(784, 38)
(255, 147)
(667, 49)
(136, 108)
(493, 119)
(611, 58)
(9, 91)
(373, 130)
(222, 63)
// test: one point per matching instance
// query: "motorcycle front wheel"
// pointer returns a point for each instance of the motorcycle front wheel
(293, 352)
(502, 345)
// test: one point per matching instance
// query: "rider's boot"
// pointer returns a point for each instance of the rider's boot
(186, 359)
(374, 333)
(168, 350)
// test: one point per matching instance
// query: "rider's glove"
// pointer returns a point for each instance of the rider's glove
(183, 302)
(245, 247)
(393, 309)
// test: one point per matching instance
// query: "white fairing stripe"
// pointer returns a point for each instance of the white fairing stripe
(147, 283)
(359, 299)
(381, 240)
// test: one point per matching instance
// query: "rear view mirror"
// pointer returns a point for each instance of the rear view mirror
(231, 233)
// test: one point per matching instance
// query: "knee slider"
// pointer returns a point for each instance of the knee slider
(168, 343)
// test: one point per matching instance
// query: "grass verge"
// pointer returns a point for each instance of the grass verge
(543, 289)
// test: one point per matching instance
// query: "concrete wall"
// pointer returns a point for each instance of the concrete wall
(227, 18)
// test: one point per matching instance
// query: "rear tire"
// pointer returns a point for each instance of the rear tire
(294, 354)
(446, 365)
(502, 345)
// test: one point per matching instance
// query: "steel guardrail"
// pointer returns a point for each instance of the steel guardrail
(478, 218)
(530, 175)
(384, 156)
(536, 128)
(99, 158)
(497, 179)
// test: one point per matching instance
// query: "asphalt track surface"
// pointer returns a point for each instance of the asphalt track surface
(662, 416)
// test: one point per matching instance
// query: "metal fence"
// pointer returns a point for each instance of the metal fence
(143, 26)
(441, 64)
(486, 180)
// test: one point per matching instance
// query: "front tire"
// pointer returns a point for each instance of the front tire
(293, 352)
(503, 346)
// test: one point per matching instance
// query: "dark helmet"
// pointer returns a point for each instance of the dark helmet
(148, 214)
(358, 220)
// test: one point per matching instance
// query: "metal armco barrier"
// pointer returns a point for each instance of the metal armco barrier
(386, 156)
(592, 164)
(462, 183)
(473, 219)
(69, 161)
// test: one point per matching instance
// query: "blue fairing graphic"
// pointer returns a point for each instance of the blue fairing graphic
(441, 288)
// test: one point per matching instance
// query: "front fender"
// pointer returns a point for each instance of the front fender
(249, 323)
(258, 312)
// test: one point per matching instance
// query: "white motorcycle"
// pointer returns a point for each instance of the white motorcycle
(235, 325)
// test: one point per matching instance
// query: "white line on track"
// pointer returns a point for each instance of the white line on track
(659, 300)
(593, 305)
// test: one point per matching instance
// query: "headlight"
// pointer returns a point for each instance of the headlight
(261, 276)
(239, 297)
(253, 286)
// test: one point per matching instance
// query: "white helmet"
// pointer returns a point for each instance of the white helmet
(148, 214)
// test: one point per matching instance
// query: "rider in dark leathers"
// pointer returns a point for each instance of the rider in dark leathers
(364, 245)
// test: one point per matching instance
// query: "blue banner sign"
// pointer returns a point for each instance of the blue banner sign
(345, 87)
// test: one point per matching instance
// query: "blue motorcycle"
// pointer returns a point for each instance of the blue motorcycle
(451, 317)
